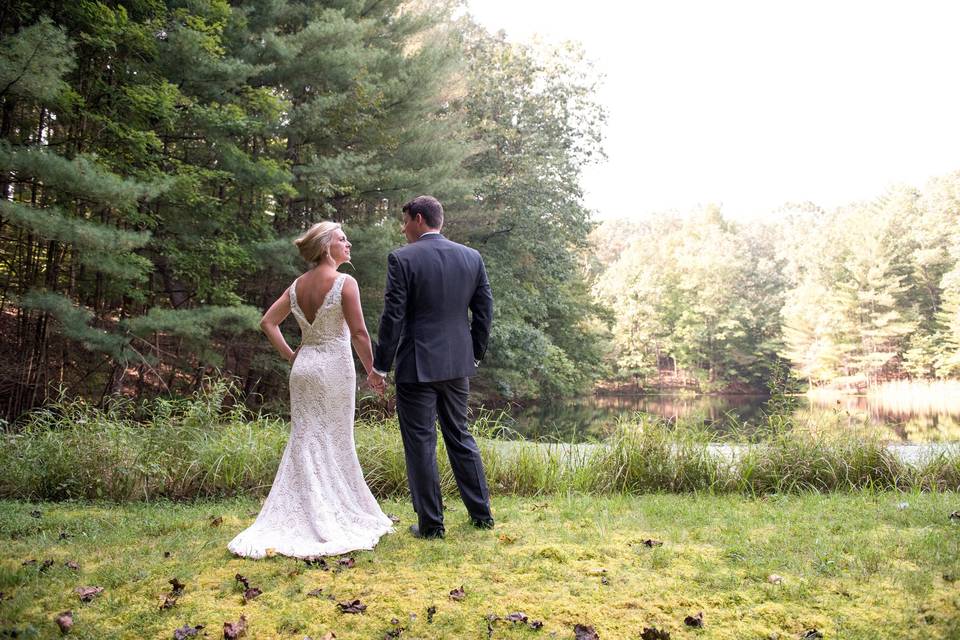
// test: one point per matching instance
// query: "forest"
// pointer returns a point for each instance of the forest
(846, 299)
(157, 157)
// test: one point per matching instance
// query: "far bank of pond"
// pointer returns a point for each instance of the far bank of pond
(899, 419)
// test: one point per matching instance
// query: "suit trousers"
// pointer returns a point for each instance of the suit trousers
(419, 405)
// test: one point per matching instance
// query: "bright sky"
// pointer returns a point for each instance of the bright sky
(751, 104)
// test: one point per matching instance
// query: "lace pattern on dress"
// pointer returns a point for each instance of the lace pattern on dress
(319, 503)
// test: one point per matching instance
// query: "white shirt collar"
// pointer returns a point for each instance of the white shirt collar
(429, 233)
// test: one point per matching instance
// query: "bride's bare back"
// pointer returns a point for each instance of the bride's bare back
(312, 289)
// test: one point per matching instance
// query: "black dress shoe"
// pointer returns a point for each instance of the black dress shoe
(482, 523)
(429, 535)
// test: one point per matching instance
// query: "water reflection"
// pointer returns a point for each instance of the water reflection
(900, 419)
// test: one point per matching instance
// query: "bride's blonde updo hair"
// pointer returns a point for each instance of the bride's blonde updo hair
(314, 244)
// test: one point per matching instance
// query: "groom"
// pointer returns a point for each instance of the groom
(431, 283)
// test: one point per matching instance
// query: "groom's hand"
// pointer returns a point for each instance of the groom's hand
(377, 382)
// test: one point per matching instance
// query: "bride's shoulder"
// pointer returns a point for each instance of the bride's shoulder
(348, 281)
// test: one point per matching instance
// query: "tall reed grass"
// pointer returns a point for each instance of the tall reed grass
(209, 445)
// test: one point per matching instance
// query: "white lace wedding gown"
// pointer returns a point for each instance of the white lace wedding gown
(319, 503)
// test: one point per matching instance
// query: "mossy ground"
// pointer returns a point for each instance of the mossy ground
(855, 565)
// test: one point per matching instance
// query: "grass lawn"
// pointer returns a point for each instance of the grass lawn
(861, 565)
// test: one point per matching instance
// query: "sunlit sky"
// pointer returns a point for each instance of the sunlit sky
(754, 104)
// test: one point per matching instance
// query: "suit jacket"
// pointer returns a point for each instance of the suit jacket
(431, 284)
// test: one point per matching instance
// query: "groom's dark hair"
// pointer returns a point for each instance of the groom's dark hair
(428, 207)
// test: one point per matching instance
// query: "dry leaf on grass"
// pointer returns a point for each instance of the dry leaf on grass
(234, 630)
(585, 632)
(186, 631)
(64, 620)
(694, 621)
(88, 593)
(352, 606)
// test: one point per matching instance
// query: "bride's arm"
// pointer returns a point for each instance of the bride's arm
(270, 325)
(354, 317)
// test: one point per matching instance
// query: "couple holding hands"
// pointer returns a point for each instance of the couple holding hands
(319, 503)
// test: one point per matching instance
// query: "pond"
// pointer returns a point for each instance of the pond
(593, 417)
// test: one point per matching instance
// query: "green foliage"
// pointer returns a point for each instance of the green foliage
(102, 248)
(157, 157)
(697, 293)
(209, 445)
(867, 304)
(535, 126)
(79, 177)
(34, 61)
(850, 298)
(75, 324)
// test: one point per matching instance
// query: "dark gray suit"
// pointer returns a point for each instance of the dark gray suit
(431, 284)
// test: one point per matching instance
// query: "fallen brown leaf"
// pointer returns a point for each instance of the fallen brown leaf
(352, 606)
(88, 593)
(35, 513)
(491, 618)
(177, 586)
(234, 630)
(46, 565)
(536, 625)
(72, 564)
(774, 579)
(431, 611)
(347, 562)
(186, 631)
(250, 594)
(584, 632)
(316, 561)
(168, 602)
(652, 633)
(650, 542)
(694, 621)
(64, 620)
(315, 593)
(811, 634)
(242, 580)
(458, 594)
(329, 635)
(518, 616)
(216, 521)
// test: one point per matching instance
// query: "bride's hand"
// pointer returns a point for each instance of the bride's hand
(294, 356)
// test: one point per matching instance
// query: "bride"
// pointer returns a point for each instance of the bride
(319, 503)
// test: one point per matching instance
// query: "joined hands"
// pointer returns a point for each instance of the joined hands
(377, 382)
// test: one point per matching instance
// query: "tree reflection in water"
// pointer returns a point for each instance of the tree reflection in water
(903, 417)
